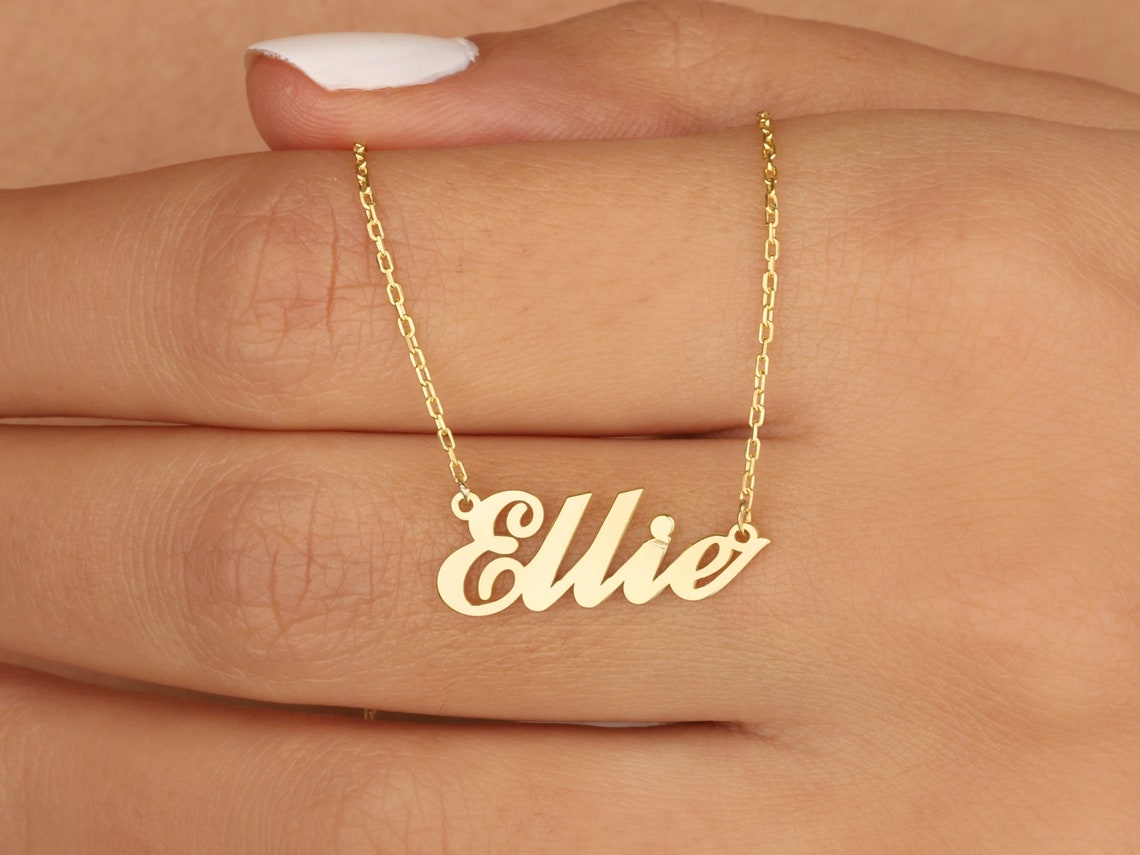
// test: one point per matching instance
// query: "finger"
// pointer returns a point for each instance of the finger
(245, 293)
(301, 568)
(624, 300)
(97, 771)
(639, 70)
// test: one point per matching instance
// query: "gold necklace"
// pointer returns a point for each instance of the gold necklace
(692, 575)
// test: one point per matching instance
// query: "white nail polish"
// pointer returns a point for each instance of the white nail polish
(369, 60)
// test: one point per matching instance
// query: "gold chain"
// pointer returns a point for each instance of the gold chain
(407, 325)
(769, 284)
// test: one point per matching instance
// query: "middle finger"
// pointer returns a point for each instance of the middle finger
(559, 288)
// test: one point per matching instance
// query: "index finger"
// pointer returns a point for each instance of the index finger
(635, 70)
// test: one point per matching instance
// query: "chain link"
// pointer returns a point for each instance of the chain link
(395, 294)
(768, 284)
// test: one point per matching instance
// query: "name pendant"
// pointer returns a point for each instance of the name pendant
(699, 571)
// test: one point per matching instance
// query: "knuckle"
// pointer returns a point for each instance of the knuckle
(997, 273)
(279, 571)
(398, 803)
(672, 15)
(974, 278)
(684, 35)
(267, 313)
(1056, 654)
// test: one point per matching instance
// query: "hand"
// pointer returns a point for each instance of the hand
(127, 85)
(937, 652)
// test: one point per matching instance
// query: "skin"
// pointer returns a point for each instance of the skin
(97, 91)
(938, 653)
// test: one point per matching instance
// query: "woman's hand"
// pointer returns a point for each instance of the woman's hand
(96, 90)
(662, 69)
(938, 652)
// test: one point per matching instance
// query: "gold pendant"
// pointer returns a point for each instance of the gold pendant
(691, 575)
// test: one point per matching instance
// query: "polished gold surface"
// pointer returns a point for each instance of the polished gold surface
(407, 326)
(486, 567)
(483, 577)
(768, 306)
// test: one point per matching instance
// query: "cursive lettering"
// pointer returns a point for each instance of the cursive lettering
(700, 571)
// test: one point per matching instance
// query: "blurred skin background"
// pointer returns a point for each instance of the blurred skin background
(94, 89)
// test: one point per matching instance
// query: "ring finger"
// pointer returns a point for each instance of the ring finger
(301, 568)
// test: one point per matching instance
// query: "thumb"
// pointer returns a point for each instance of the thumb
(656, 68)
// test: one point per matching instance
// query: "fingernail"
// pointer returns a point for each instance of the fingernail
(369, 60)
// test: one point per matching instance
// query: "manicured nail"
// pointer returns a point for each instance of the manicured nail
(369, 60)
